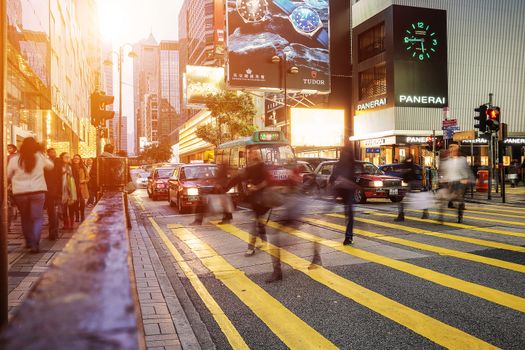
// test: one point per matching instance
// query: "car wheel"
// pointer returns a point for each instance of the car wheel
(396, 199)
(180, 208)
(359, 197)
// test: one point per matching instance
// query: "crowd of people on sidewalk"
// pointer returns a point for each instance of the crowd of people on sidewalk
(61, 185)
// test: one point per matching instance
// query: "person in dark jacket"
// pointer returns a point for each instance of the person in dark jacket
(54, 192)
(409, 173)
(342, 181)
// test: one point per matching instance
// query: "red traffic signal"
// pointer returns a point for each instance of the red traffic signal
(99, 115)
(493, 118)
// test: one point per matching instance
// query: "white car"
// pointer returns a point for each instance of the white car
(141, 180)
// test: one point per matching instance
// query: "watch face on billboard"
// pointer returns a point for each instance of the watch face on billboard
(269, 41)
(420, 57)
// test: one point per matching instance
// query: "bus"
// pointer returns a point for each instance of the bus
(269, 146)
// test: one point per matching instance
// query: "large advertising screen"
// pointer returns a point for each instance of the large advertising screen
(202, 81)
(420, 59)
(306, 130)
(295, 31)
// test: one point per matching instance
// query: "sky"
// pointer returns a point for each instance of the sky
(128, 21)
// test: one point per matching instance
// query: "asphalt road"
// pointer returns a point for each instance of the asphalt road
(415, 284)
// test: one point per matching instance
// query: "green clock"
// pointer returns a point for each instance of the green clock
(421, 42)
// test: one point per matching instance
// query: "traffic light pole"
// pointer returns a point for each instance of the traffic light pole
(489, 192)
(120, 52)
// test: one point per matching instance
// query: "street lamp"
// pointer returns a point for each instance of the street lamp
(120, 56)
(282, 59)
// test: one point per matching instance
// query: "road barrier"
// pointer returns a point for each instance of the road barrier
(87, 299)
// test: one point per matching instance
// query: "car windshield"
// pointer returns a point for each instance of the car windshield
(277, 155)
(198, 172)
(164, 173)
(367, 168)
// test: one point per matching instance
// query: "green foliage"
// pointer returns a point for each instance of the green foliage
(156, 153)
(232, 117)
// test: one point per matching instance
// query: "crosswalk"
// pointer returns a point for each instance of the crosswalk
(439, 260)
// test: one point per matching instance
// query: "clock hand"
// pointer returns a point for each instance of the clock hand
(422, 47)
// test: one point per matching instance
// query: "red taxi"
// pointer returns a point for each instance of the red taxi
(157, 186)
(373, 182)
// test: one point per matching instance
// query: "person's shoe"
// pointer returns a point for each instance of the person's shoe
(425, 215)
(316, 262)
(400, 217)
(249, 252)
(276, 276)
(460, 219)
(224, 221)
(450, 205)
(348, 241)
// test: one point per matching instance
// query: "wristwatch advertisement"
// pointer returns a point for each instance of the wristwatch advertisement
(295, 31)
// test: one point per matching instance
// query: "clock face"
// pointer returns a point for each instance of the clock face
(305, 19)
(421, 41)
(252, 10)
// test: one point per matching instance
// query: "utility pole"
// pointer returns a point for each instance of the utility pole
(120, 51)
(3, 171)
(491, 156)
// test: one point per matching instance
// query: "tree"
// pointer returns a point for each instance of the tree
(232, 117)
(156, 153)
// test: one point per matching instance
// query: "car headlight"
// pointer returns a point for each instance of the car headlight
(376, 183)
(192, 191)
(404, 184)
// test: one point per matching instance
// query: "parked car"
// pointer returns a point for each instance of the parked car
(190, 183)
(157, 186)
(305, 170)
(373, 182)
(140, 179)
(396, 170)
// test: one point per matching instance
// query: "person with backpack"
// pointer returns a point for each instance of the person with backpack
(26, 173)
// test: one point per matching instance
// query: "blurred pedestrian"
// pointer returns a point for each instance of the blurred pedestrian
(81, 176)
(514, 170)
(54, 193)
(69, 191)
(12, 151)
(92, 182)
(26, 172)
(457, 176)
(342, 181)
(409, 172)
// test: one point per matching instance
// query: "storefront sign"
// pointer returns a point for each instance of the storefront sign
(390, 140)
(515, 140)
(416, 139)
(372, 104)
(373, 150)
(422, 100)
(479, 140)
(464, 135)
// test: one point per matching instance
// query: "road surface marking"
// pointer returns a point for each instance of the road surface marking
(293, 331)
(499, 221)
(493, 295)
(495, 212)
(426, 326)
(234, 338)
(422, 246)
(139, 203)
(476, 241)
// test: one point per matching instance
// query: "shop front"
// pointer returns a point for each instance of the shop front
(395, 149)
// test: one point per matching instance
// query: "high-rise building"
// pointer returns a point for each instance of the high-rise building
(146, 74)
(169, 109)
(53, 66)
(115, 126)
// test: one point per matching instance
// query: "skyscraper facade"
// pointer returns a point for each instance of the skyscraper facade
(169, 92)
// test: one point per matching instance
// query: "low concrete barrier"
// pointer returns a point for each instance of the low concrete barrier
(87, 299)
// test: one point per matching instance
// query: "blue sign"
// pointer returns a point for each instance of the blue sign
(373, 150)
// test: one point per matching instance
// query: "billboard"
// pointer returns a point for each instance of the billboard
(201, 81)
(295, 31)
(420, 57)
(305, 130)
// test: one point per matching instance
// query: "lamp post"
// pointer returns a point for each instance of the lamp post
(3, 171)
(284, 70)
(120, 56)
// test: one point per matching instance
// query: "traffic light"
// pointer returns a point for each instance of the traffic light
(493, 122)
(430, 144)
(99, 115)
(481, 118)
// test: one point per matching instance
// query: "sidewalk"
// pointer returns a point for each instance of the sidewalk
(513, 196)
(25, 268)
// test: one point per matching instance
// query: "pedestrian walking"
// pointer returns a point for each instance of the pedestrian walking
(92, 188)
(514, 170)
(12, 151)
(26, 173)
(409, 173)
(69, 191)
(457, 176)
(54, 192)
(81, 177)
(342, 181)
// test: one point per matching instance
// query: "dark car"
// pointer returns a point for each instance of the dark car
(190, 183)
(158, 183)
(397, 170)
(373, 183)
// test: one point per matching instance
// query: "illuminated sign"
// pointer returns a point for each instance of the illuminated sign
(416, 139)
(317, 127)
(425, 100)
(372, 104)
(515, 140)
(268, 136)
(390, 140)
(201, 82)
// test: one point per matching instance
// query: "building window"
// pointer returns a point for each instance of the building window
(372, 82)
(371, 42)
